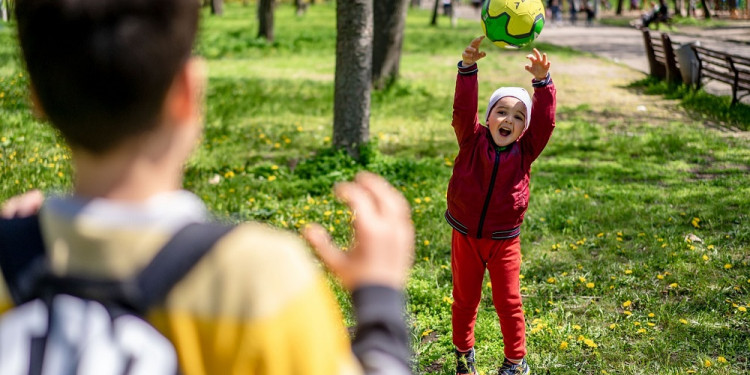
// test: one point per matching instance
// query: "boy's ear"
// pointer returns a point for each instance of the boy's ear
(184, 100)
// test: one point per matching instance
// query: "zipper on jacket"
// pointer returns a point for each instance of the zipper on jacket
(489, 193)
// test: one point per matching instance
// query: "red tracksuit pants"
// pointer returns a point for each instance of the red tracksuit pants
(469, 258)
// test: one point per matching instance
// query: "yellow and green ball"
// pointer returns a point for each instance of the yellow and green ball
(512, 23)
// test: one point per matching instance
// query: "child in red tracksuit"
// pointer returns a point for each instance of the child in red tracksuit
(487, 197)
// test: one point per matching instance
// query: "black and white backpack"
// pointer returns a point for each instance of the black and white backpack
(70, 325)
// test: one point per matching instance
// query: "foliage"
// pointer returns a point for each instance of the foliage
(613, 281)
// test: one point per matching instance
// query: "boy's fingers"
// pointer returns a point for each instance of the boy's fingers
(388, 201)
(358, 199)
(477, 41)
(321, 243)
(482, 54)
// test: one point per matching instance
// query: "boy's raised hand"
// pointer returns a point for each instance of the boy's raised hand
(472, 53)
(383, 246)
(539, 65)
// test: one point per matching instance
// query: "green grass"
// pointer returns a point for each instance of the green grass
(610, 282)
(714, 108)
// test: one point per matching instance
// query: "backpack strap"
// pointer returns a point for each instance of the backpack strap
(21, 247)
(174, 261)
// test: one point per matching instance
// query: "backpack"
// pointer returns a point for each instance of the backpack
(84, 326)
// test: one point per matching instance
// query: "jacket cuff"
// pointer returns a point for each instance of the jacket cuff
(467, 70)
(541, 83)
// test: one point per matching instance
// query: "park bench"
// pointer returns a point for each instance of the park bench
(661, 57)
(724, 67)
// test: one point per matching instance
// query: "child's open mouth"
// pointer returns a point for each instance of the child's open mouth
(504, 132)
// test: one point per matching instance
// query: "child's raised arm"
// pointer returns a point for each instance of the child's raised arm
(539, 65)
(472, 53)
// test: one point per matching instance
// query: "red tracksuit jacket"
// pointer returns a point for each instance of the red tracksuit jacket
(489, 191)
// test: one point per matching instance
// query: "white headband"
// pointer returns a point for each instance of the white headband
(516, 92)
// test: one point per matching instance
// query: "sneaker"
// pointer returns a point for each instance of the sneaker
(510, 368)
(465, 363)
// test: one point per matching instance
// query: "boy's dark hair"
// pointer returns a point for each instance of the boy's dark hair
(101, 68)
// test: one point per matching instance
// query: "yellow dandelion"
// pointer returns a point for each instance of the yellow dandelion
(660, 277)
(273, 178)
(576, 327)
(443, 266)
(582, 279)
(589, 285)
(705, 257)
(427, 199)
(448, 300)
(628, 313)
(417, 200)
(707, 363)
(521, 276)
(426, 332)
(742, 308)
(650, 324)
(489, 284)
(581, 338)
(274, 167)
(563, 345)
(721, 359)
(600, 234)
(327, 213)
(673, 285)
(683, 321)
(590, 343)
(612, 326)
(641, 330)
(626, 303)
(651, 315)
(551, 280)
(727, 266)
(427, 242)
(628, 272)
(326, 139)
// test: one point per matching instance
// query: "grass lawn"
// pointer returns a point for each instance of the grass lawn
(637, 239)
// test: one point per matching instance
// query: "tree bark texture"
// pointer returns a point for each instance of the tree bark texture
(217, 7)
(389, 17)
(706, 12)
(435, 13)
(351, 117)
(265, 19)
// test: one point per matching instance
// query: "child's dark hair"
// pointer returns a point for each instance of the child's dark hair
(101, 68)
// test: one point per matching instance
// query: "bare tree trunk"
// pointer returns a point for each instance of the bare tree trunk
(265, 19)
(301, 7)
(389, 19)
(706, 12)
(435, 13)
(619, 7)
(351, 117)
(3, 11)
(217, 7)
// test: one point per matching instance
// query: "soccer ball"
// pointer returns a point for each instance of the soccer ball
(512, 23)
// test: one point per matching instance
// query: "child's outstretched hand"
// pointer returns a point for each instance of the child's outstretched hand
(471, 53)
(539, 65)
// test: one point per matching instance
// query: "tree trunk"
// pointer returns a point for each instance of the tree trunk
(619, 7)
(678, 8)
(265, 19)
(389, 17)
(706, 12)
(435, 13)
(217, 7)
(351, 117)
(3, 11)
(301, 7)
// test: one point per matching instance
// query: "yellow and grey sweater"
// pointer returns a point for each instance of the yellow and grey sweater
(255, 304)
